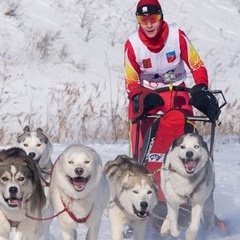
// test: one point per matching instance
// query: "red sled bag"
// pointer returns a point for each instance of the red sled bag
(158, 139)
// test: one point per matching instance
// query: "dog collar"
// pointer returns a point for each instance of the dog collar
(71, 215)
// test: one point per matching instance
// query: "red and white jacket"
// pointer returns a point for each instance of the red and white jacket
(145, 66)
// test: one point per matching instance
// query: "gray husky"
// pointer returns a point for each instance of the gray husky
(187, 176)
(39, 148)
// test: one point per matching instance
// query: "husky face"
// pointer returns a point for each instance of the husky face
(188, 154)
(80, 165)
(36, 145)
(139, 196)
(133, 186)
(15, 185)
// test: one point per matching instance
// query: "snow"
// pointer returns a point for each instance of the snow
(49, 46)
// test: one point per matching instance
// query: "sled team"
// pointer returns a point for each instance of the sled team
(77, 188)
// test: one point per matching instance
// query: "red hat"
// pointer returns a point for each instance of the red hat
(148, 7)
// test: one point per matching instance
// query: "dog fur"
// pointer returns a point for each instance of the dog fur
(187, 176)
(133, 196)
(21, 194)
(39, 148)
(79, 184)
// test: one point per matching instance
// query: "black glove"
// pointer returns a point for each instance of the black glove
(205, 102)
(146, 101)
(198, 88)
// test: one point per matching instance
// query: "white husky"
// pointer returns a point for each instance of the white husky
(38, 147)
(79, 186)
(133, 196)
(187, 175)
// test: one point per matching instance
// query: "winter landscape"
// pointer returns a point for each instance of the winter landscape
(61, 69)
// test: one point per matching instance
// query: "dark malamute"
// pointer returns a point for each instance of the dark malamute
(21, 195)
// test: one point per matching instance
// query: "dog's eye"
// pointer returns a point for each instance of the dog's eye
(25, 145)
(21, 179)
(87, 162)
(149, 192)
(134, 191)
(39, 145)
(4, 179)
(182, 147)
(70, 162)
(196, 146)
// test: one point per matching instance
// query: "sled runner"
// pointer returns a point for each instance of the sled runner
(165, 128)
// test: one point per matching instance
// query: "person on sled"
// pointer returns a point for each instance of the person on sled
(155, 56)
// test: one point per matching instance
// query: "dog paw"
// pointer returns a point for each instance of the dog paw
(165, 227)
(190, 235)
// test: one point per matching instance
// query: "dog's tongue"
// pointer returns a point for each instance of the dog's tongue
(79, 182)
(190, 164)
(14, 202)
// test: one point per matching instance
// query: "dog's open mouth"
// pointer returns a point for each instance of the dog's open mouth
(141, 214)
(79, 183)
(13, 202)
(190, 164)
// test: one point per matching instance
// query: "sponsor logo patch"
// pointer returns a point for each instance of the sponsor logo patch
(147, 63)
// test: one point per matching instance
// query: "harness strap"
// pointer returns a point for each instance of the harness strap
(71, 215)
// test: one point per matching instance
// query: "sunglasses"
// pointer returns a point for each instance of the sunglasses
(142, 19)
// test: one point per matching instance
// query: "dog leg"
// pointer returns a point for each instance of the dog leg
(193, 228)
(165, 227)
(173, 218)
(18, 235)
(93, 230)
(116, 230)
(139, 230)
(68, 234)
(208, 212)
(117, 221)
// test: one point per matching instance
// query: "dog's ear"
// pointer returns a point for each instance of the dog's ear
(42, 137)
(13, 154)
(39, 130)
(151, 175)
(202, 142)
(3, 155)
(26, 129)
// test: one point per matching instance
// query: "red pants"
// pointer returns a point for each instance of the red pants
(172, 99)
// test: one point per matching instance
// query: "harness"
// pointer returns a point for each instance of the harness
(74, 218)
(195, 190)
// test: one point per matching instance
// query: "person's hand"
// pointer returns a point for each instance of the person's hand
(144, 100)
(198, 87)
(204, 101)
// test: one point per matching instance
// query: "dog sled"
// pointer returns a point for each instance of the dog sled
(164, 129)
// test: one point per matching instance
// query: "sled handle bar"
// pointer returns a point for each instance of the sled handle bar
(188, 90)
(190, 118)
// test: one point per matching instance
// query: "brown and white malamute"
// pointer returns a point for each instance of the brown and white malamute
(133, 196)
(21, 195)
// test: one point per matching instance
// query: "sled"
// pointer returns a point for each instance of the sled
(164, 133)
